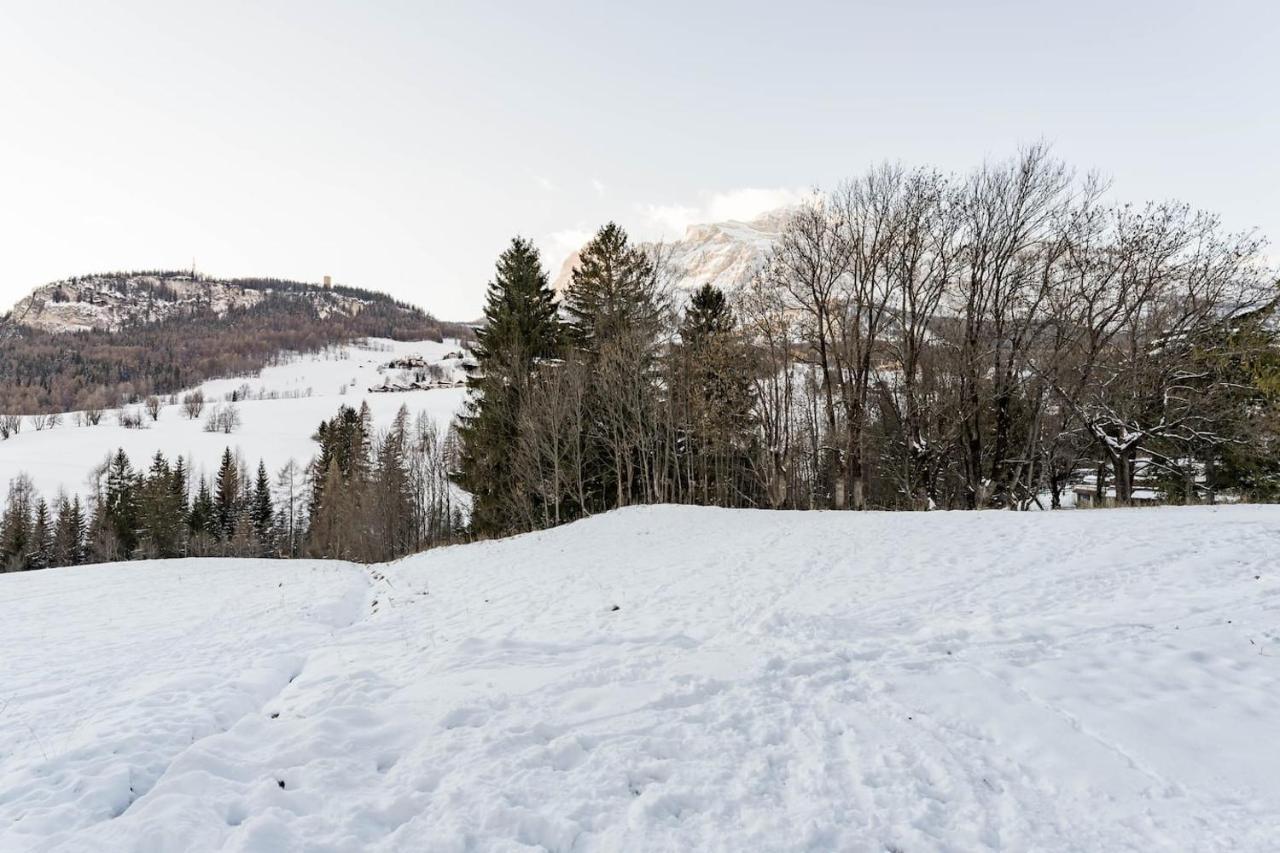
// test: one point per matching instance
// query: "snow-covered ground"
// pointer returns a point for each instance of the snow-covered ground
(309, 390)
(665, 679)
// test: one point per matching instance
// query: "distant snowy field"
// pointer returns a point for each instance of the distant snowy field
(665, 679)
(273, 430)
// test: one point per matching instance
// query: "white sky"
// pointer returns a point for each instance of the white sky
(400, 145)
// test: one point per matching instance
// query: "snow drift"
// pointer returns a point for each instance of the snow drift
(665, 679)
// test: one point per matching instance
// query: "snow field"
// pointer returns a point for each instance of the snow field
(274, 430)
(665, 679)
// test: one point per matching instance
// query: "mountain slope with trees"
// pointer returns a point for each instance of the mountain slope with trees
(169, 331)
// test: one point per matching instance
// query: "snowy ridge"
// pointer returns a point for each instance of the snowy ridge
(665, 679)
(723, 254)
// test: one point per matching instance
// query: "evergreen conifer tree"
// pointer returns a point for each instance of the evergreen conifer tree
(119, 508)
(713, 386)
(613, 291)
(521, 329)
(41, 552)
(202, 519)
(616, 314)
(15, 525)
(68, 533)
(262, 513)
(227, 495)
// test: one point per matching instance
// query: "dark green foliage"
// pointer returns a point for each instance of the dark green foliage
(612, 293)
(708, 317)
(202, 520)
(521, 331)
(711, 383)
(162, 509)
(227, 504)
(118, 510)
(69, 534)
(41, 549)
(15, 525)
(262, 512)
(339, 477)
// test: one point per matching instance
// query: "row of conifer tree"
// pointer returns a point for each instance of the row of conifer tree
(366, 496)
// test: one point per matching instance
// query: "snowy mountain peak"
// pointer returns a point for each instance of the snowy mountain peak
(723, 254)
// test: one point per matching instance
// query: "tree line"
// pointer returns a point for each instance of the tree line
(913, 340)
(367, 495)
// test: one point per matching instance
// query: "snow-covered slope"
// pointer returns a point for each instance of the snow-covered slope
(723, 254)
(110, 301)
(665, 679)
(280, 410)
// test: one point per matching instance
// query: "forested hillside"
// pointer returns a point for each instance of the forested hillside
(160, 337)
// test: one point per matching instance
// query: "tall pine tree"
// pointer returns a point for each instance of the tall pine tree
(41, 552)
(227, 495)
(262, 512)
(521, 330)
(613, 292)
(616, 314)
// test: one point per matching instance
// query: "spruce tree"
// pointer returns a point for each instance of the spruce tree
(119, 510)
(15, 525)
(161, 511)
(616, 314)
(202, 520)
(708, 315)
(227, 495)
(712, 384)
(521, 329)
(613, 291)
(79, 533)
(340, 485)
(68, 533)
(41, 552)
(262, 513)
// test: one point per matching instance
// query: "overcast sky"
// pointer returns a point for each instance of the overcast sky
(400, 145)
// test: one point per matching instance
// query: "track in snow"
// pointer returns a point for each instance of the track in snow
(768, 681)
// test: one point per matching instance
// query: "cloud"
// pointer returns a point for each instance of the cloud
(546, 183)
(744, 204)
(749, 202)
(669, 221)
(599, 187)
(671, 218)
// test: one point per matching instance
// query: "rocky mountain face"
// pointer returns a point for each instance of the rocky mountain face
(109, 302)
(723, 254)
(101, 341)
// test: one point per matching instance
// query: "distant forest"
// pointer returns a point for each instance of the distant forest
(57, 372)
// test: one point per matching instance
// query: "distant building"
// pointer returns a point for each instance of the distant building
(328, 283)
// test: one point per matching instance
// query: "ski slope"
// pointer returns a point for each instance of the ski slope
(308, 389)
(665, 679)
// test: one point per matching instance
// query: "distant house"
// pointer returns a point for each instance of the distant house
(1145, 492)
(1087, 497)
